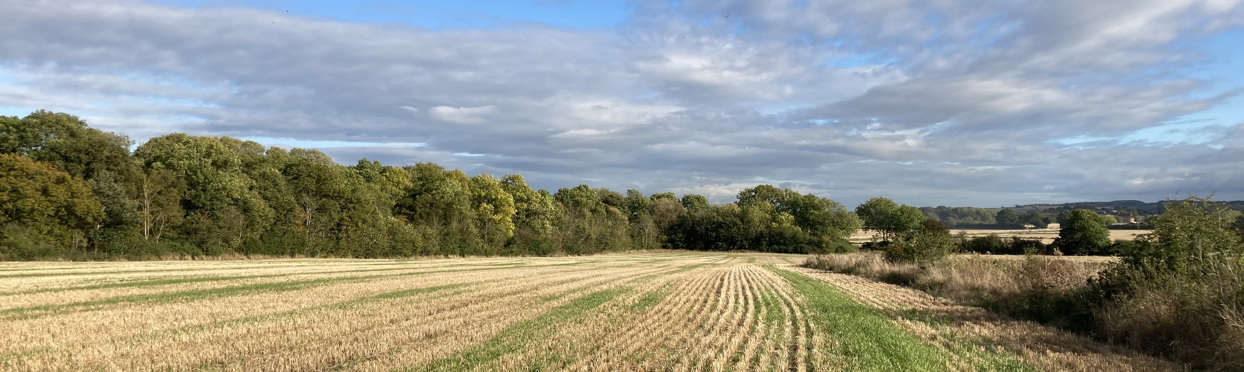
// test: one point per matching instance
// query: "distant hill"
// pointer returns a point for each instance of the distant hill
(1041, 215)
(1117, 207)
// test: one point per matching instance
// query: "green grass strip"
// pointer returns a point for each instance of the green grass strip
(517, 336)
(180, 280)
(981, 353)
(159, 298)
(648, 300)
(867, 339)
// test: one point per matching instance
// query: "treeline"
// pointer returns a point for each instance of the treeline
(982, 218)
(71, 191)
(765, 218)
(1009, 218)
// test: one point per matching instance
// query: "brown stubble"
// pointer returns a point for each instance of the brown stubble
(133, 334)
(1041, 346)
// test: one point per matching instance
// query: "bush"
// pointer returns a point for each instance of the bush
(1083, 234)
(931, 243)
(838, 246)
(19, 242)
(992, 244)
(1180, 291)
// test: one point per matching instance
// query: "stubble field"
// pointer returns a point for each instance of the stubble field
(638, 311)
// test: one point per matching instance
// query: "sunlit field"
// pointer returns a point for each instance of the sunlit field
(637, 311)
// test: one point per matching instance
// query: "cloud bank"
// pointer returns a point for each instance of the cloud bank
(948, 102)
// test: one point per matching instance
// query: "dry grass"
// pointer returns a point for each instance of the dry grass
(646, 311)
(968, 277)
(944, 323)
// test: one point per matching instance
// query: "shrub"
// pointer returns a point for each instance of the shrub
(992, 244)
(932, 242)
(1179, 292)
(838, 246)
(1083, 234)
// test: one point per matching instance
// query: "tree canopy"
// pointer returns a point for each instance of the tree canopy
(180, 194)
(1083, 233)
(885, 216)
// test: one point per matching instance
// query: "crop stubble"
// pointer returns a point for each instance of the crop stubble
(649, 311)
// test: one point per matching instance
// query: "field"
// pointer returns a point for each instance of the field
(637, 311)
(1045, 235)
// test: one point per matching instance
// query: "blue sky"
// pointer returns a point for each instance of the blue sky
(931, 103)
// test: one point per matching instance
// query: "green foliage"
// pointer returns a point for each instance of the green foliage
(589, 225)
(765, 218)
(954, 216)
(1006, 216)
(993, 244)
(1035, 219)
(494, 210)
(889, 218)
(1108, 219)
(39, 195)
(1083, 233)
(1193, 262)
(694, 201)
(931, 242)
(536, 215)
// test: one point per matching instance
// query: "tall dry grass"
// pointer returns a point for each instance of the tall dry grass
(1196, 322)
(969, 278)
(1040, 288)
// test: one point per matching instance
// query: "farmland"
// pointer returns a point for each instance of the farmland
(637, 311)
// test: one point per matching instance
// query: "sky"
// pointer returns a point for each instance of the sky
(947, 102)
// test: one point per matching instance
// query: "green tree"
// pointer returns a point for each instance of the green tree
(536, 215)
(636, 205)
(1007, 216)
(224, 210)
(590, 225)
(825, 217)
(694, 202)
(438, 205)
(1084, 233)
(66, 142)
(159, 201)
(285, 236)
(877, 214)
(494, 208)
(36, 193)
(814, 215)
(100, 158)
(1033, 218)
(885, 216)
(43, 210)
(1108, 219)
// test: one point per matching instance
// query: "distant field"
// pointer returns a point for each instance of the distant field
(1045, 235)
(640, 311)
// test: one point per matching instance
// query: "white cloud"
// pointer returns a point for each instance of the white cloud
(947, 102)
(461, 115)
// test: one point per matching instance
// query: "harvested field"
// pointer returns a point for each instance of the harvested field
(637, 311)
